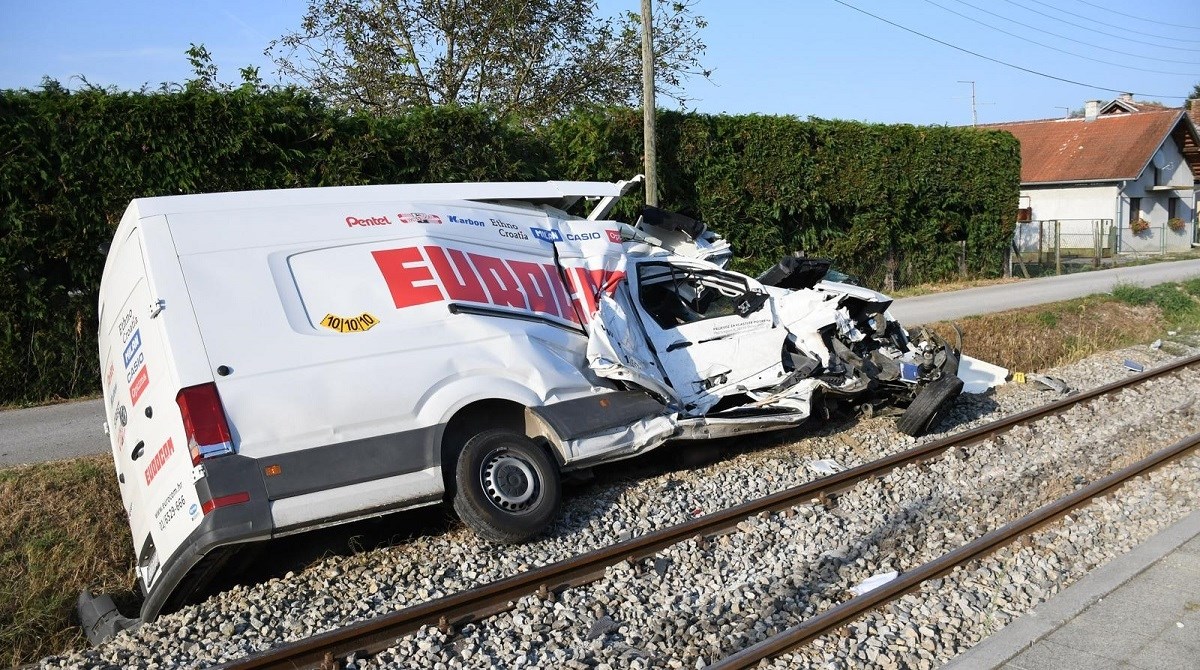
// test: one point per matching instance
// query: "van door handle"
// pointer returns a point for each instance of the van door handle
(678, 345)
(139, 450)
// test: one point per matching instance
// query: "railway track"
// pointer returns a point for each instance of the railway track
(371, 636)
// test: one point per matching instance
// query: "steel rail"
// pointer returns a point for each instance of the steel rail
(374, 635)
(839, 615)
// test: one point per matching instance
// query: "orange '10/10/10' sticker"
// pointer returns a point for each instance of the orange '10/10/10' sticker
(350, 324)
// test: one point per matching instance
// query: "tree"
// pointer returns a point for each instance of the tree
(1195, 94)
(204, 75)
(533, 58)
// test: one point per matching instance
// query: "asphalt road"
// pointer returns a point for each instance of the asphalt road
(52, 432)
(988, 299)
(75, 428)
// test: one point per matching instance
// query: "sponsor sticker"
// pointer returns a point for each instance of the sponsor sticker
(138, 386)
(546, 235)
(367, 222)
(509, 230)
(350, 324)
(614, 236)
(129, 323)
(134, 367)
(160, 459)
(131, 349)
(193, 511)
(419, 217)
(466, 221)
(108, 382)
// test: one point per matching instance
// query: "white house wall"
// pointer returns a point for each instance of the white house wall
(1153, 207)
(1078, 209)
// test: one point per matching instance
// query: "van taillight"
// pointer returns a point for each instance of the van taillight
(204, 422)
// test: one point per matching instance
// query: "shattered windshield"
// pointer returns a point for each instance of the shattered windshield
(674, 295)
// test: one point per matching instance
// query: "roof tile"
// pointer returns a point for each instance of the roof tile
(1111, 147)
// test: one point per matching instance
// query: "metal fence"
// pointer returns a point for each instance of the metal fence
(1062, 244)
(1149, 242)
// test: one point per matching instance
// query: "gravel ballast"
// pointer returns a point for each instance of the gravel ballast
(692, 604)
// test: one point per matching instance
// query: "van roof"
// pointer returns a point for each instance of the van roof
(561, 194)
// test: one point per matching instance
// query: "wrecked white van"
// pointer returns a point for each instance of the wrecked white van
(278, 361)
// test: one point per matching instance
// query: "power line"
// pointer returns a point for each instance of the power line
(1056, 48)
(1000, 62)
(1139, 18)
(1123, 37)
(1070, 39)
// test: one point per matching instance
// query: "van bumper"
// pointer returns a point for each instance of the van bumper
(99, 617)
(199, 557)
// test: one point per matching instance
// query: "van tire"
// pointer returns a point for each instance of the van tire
(931, 403)
(507, 489)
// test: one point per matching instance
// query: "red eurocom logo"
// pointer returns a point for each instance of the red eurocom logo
(420, 275)
(614, 236)
(139, 384)
(159, 460)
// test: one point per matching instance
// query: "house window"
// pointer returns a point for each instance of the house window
(1135, 209)
(1172, 208)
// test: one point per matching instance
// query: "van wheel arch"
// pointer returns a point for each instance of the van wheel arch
(475, 418)
(510, 488)
(473, 435)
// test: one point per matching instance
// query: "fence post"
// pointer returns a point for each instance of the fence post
(1021, 261)
(1097, 231)
(1057, 248)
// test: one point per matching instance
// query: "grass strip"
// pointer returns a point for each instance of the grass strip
(62, 528)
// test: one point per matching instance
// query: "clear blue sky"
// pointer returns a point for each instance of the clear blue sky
(802, 57)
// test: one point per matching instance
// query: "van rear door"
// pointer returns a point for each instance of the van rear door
(150, 449)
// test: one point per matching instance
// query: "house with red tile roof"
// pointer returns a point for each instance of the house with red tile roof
(1123, 177)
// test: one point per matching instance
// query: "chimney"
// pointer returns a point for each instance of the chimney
(1127, 97)
(1091, 109)
(1194, 111)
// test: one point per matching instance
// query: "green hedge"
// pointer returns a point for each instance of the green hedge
(863, 194)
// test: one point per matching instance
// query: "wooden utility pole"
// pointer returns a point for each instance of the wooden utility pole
(648, 106)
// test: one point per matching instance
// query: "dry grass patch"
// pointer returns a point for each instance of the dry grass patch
(1046, 336)
(925, 289)
(62, 528)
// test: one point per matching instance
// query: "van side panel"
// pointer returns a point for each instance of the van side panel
(336, 381)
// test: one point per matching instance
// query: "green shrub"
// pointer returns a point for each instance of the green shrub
(1132, 294)
(1048, 319)
(1173, 302)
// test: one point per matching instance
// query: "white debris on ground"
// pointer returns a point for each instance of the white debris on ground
(979, 376)
(691, 605)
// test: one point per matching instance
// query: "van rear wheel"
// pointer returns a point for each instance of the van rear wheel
(506, 488)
